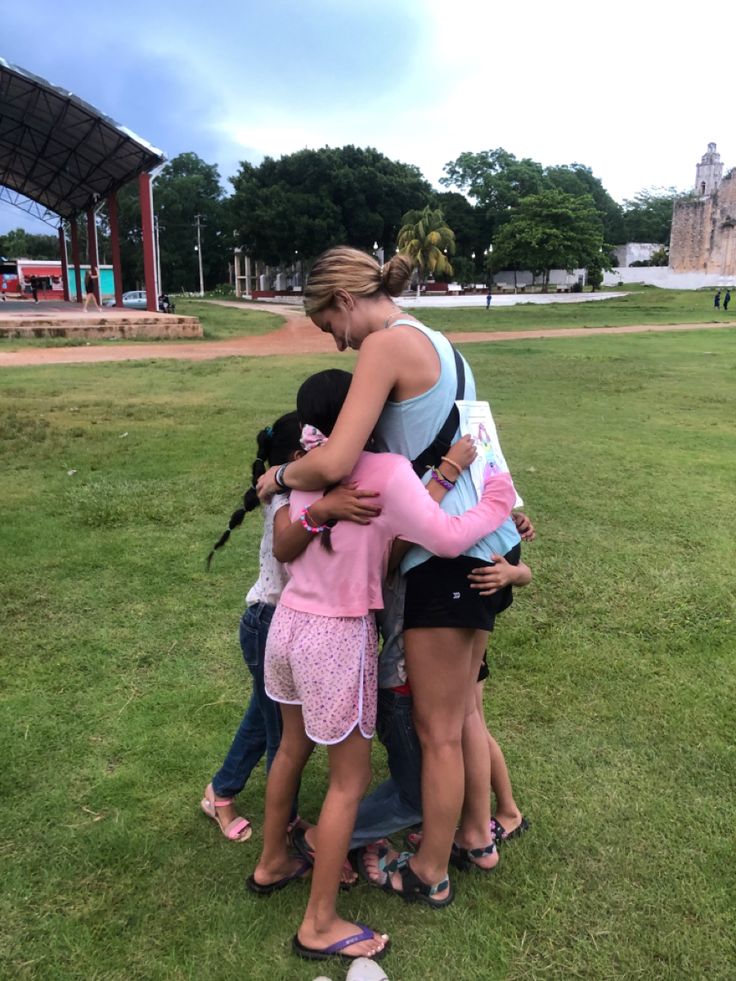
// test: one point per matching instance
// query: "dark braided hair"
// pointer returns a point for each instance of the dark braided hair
(318, 403)
(276, 444)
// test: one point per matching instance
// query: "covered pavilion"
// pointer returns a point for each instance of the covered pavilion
(60, 158)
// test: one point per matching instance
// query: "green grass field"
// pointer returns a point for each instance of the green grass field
(643, 305)
(612, 688)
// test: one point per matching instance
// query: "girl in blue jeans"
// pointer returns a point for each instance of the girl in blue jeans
(260, 729)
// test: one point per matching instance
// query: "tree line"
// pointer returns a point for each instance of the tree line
(294, 207)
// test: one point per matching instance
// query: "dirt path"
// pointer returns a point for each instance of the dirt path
(296, 336)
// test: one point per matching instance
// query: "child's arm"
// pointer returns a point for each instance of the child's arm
(462, 453)
(415, 517)
(346, 502)
(489, 579)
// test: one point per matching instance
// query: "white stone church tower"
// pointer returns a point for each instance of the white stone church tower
(709, 172)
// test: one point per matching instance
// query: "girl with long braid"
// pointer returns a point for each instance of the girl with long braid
(260, 729)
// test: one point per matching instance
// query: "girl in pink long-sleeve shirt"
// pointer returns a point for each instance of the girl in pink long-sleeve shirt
(322, 653)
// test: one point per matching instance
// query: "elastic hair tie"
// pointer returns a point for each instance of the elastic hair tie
(269, 431)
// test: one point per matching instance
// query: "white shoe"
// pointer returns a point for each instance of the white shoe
(366, 969)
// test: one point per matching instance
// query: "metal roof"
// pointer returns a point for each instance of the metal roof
(60, 151)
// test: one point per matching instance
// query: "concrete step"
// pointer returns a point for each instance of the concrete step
(99, 327)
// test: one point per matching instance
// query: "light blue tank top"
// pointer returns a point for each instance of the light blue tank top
(409, 427)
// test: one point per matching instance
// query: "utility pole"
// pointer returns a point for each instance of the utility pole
(158, 257)
(199, 253)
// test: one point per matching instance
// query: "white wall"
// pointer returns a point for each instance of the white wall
(557, 277)
(664, 277)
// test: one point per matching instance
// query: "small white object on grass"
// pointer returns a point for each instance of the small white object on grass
(366, 969)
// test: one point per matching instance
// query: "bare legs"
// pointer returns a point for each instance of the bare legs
(283, 782)
(507, 810)
(349, 778)
(440, 663)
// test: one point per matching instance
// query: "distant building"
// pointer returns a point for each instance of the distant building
(17, 273)
(635, 252)
(704, 225)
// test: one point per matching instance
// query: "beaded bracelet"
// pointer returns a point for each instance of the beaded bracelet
(452, 463)
(441, 479)
(279, 477)
(304, 517)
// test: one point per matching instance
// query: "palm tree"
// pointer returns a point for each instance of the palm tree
(426, 238)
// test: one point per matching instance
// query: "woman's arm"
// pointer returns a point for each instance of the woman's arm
(375, 376)
(460, 455)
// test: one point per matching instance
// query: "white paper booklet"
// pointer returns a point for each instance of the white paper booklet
(476, 420)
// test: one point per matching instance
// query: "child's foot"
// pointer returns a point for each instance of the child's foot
(507, 825)
(314, 941)
(373, 859)
(303, 840)
(222, 811)
(266, 877)
(472, 851)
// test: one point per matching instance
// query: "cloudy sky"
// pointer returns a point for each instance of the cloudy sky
(635, 90)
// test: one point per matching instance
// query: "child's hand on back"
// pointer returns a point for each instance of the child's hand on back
(490, 578)
(347, 502)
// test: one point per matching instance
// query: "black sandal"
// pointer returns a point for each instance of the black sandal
(466, 859)
(502, 835)
(413, 889)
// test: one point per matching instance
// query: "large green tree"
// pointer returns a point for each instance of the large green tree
(496, 180)
(551, 230)
(20, 244)
(307, 201)
(647, 217)
(472, 232)
(579, 180)
(427, 239)
(186, 187)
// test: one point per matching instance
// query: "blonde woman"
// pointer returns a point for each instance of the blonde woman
(406, 380)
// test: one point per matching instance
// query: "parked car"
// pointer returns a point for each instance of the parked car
(133, 299)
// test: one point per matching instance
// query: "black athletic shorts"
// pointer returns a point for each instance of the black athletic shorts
(438, 594)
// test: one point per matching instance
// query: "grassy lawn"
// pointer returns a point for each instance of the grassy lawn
(612, 687)
(645, 305)
(218, 323)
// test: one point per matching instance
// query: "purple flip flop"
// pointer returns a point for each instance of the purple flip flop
(322, 954)
(261, 890)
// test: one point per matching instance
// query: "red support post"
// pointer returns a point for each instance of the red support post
(75, 259)
(92, 253)
(149, 254)
(64, 263)
(117, 266)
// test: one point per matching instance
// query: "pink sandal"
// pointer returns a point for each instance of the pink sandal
(238, 829)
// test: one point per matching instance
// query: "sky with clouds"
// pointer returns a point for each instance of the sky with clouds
(634, 90)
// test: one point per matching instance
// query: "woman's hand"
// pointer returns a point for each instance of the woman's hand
(490, 578)
(524, 526)
(266, 485)
(462, 454)
(346, 502)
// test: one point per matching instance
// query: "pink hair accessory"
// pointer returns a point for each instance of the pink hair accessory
(311, 438)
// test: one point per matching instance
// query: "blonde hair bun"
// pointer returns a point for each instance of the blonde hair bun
(346, 268)
(397, 274)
